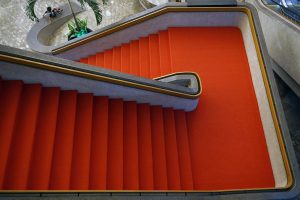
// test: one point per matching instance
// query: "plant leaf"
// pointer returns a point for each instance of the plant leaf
(95, 7)
(30, 9)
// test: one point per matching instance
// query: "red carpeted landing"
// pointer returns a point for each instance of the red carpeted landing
(62, 140)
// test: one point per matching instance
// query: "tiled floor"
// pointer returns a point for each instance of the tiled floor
(112, 12)
(14, 24)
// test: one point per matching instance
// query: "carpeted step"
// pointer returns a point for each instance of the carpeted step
(125, 58)
(145, 158)
(99, 149)
(117, 59)
(158, 149)
(9, 101)
(164, 50)
(154, 56)
(18, 163)
(82, 143)
(171, 150)
(115, 145)
(108, 59)
(41, 157)
(84, 60)
(134, 58)
(184, 157)
(63, 143)
(131, 162)
(100, 59)
(92, 60)
(144, 57)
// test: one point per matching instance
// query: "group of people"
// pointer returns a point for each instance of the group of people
(52, 13)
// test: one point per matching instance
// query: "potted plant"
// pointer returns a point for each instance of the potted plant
(79, 27)
(74, 32)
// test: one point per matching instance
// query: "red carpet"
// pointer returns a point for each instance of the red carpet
(63, 140)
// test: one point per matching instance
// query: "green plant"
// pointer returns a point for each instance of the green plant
(73, 29)
(92, 3)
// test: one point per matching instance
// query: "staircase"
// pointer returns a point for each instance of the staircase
(73, 141)
(147, 57)
(52, 139)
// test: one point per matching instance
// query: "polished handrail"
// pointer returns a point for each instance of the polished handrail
(12, 55)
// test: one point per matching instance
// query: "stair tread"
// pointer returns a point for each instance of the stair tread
(100, 59)
(40, 166)
(99, 144)
(146, 175)
(154, 56)
(84, 60)
(63, 142)
(131, 165)
(117, 59)
(134, 58)
(158, 148)
(18, 164)
(108, 59)
(125, 58)
(185, 165)
(9, 100)
(115, 146)
(92, 60)
(164, 50)
(82, 143)
(171, 150)
(144, 57)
